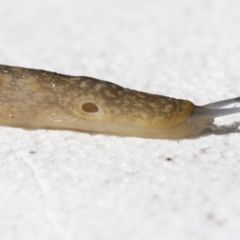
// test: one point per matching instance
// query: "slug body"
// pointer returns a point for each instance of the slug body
(32, 98)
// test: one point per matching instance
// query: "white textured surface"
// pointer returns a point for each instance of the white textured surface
(67, 185)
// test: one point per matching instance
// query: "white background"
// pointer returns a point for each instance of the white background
(71, 185)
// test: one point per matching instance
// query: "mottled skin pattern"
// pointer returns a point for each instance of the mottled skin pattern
(40, 99)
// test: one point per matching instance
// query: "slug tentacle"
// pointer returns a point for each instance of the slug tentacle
(213, 113)
(33, 98)
(222, 103)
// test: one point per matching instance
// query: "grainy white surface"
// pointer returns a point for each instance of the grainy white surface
(60, 185)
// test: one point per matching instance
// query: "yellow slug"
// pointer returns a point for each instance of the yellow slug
(32, 98)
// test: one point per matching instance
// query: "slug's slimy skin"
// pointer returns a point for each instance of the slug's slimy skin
(32, 98)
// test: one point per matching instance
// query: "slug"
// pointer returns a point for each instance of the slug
(31, 98)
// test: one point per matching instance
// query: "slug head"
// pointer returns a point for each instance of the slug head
(203, 116)
(109, 108)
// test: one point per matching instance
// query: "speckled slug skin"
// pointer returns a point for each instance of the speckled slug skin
(32, 98)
